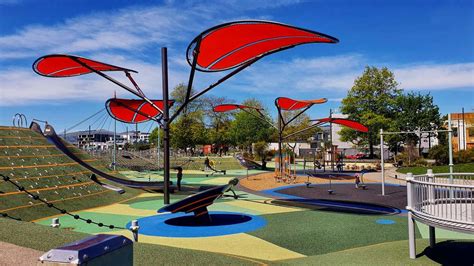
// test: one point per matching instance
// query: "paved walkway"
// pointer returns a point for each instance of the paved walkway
(391, 176)
(15, 255)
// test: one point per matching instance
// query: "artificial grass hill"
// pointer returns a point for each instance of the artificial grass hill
(31, 162)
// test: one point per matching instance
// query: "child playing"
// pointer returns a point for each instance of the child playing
(357, 180)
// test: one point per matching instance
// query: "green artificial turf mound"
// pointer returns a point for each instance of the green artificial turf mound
(30, 161)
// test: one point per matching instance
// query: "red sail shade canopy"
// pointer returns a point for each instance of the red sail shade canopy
(231, 107)
(60, 66)
(290, 104)
(132, 110)
(345, 122)
(230, 45)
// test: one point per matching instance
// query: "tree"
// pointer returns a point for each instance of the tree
(301, 122)
(219, 123)
(154, 136)
(179, 95)
(414, 112)
(188, 131)
(371, 101)
(247, 129)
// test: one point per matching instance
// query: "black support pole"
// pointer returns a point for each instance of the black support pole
(280, 140)
(166, 128)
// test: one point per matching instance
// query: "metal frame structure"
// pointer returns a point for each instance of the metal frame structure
(19, 120)
(450, 147)
(194, 52)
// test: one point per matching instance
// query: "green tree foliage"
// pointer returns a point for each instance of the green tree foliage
(188, 131)
(301, 122)
(246, 129)
(154, 136)
(219, 123)
(414, 112)
(179, 95)
(440, 153)
(260, 150)
(371, 101)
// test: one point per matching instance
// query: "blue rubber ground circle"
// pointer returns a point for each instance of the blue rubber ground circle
(385, 221)
(157, 226)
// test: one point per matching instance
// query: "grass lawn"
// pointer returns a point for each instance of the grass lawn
(418, 170)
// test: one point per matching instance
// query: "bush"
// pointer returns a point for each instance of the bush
(440, 154)
(421, 162)
(464, 156)
(403, 156)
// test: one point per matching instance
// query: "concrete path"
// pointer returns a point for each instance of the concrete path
(391, 176)
(19, 256)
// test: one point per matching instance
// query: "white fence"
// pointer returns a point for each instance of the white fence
(440, 200)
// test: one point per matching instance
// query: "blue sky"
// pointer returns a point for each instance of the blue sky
(429, 45)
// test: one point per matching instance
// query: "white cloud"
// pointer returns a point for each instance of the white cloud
(327, 76)
(129, 29)
(129, 36)
(436, 77)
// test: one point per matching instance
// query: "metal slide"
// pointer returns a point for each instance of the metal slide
(52, 137)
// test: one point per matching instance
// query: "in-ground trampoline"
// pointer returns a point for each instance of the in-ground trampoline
(344, 198)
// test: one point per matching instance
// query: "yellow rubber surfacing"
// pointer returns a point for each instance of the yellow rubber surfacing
(243, 245)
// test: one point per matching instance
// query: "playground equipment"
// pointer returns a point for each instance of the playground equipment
(287, 173)
(450, 147)
(19, 120)
(51, 135)
(99, 249)
(440, 200)
(315, 162)
(199, 202)
(209, 166)
(234, 45)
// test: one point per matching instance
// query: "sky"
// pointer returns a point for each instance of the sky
(428, 45)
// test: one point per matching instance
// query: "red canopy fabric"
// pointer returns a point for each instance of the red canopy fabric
(230, 45)
(345, 122)
(59, 66)
(132, 110)
(290, 104)
(231, 107)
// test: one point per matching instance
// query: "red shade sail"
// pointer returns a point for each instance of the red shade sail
(231, 107)
(345, 122)
(290, 104)
(133, 111)
(59, 66)
(230, 45)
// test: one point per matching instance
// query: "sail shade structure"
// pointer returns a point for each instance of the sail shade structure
(133, 110)
(344, 122)
(232, 44)
(231, 107)
(62, 65)
(290, 104)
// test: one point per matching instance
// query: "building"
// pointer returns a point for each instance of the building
(298, 146)
(463, 131)
(321, 140)
(135, 136)
(94, 139)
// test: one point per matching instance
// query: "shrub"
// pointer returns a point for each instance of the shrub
(421, 162)
(440, 154)
(464, 156)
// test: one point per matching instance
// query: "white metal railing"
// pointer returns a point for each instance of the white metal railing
(440, 200)
(446, 197)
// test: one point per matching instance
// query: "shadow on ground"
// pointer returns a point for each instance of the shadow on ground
(451, 252)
